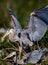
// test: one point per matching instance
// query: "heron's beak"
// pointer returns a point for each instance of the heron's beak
(5, 35)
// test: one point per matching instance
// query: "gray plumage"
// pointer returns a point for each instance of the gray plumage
(42, 13)
(38, 24)
(36, 27)
(19, 34)
(37, 55)
(14, 21)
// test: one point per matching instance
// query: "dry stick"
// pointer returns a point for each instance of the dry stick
(10, 49)
(23, 51)
(11, 44)
(38, 46)
(20, 51)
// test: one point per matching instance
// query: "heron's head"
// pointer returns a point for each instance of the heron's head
(9, 33)
(14, 35)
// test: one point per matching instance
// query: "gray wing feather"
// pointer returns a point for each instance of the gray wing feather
(14, 21)
(37, 25)
(41, 28)
(42, 13)
(31, 24)
(36, 28)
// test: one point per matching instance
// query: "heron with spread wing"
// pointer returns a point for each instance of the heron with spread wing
(33, 32)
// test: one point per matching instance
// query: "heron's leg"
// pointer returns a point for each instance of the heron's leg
(38, 46)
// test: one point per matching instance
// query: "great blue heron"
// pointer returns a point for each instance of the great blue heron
(35, 29)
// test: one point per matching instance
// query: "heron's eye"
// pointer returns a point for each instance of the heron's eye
(19, 35)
